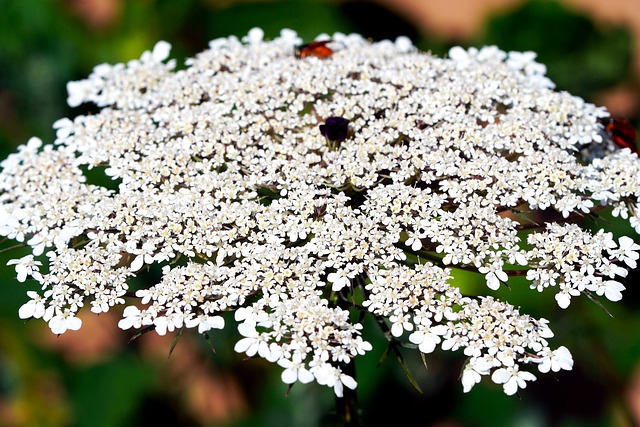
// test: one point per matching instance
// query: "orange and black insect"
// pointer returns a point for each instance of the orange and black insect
(622, 133)
(317, 48)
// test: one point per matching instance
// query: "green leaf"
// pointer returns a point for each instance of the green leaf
(107, 395)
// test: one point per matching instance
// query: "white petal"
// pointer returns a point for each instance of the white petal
(458, 53)
(521, 259)
(289, 376)
(492, 281)
(161, 324)
(416, 337)
(469, 379)
(131, 310)
(613, 290)
(338, 388)
(563, 300)
(255, 35)
(161, 51)
(243, 345)
(429, 344)
(127, 323)
(248, 329)
(510, 387)
(348, 381)
(500, 376)
(57, 325)
(304, 376)
(563, 358)
(74, 323)
(27, 310)
(137, 263)
(213, 322)
(397, 329)
(404, 44)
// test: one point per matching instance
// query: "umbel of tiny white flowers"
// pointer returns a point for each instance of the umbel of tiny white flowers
(298, 191)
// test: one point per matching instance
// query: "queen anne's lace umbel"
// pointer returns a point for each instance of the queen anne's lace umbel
(296, 191)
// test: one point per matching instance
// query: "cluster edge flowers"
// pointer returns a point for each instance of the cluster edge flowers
(301, 191)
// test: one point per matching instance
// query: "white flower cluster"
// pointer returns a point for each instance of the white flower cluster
(300, 189)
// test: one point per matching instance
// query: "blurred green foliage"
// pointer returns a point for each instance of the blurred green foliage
(45, 43)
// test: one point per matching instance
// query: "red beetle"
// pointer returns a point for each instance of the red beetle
(316, 48)
(622, 133)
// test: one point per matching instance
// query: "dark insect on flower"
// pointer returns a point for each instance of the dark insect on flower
(316, 48)
(622, 133)
(335, 129)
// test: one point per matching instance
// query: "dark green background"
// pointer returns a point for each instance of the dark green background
(43, 382)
